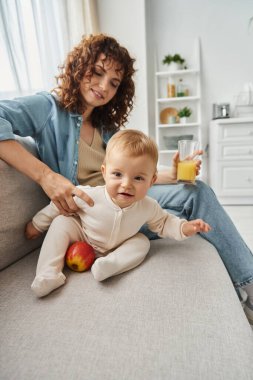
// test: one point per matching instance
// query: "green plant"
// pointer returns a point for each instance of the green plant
(185, 112)
(173, 58)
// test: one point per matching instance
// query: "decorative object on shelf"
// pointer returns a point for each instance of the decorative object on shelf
(221, 111)
(171, 88)
(183, 114)
(182, 89)
(174, 62)
(169, 115)
(171, 142)
(244, 101)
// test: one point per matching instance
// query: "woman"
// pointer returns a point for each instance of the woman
(71, 126)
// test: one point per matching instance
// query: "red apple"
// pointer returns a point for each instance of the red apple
(80, 256)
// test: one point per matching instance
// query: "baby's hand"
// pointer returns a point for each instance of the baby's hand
(31, 232)
(195, 226)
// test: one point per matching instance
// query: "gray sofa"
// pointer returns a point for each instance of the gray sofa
(175, 317)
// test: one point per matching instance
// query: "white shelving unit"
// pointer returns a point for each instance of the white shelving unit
(192, 78)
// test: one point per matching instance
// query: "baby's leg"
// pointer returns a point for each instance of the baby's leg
(127, 256)
(62, 232)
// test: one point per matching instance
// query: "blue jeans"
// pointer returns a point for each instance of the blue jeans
(199, 201)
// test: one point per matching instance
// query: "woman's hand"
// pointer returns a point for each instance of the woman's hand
(195, 226)
(61, 191)
(175, 160)
(168, 176)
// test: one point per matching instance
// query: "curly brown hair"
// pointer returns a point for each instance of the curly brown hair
(82, 59)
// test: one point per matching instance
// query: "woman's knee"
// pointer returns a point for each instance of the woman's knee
(202, 185)
(203, 188)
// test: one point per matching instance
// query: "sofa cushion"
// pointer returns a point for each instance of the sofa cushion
(21, 198)
(176, 316)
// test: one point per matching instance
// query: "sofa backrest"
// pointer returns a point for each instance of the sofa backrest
(20, 199)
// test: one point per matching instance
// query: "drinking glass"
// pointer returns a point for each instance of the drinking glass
(186, 169)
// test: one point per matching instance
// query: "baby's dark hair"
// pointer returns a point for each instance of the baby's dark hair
(81, 60)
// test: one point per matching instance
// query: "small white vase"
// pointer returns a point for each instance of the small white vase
(183, 120)
(174, 66)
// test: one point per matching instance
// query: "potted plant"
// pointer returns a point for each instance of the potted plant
(174, 62)
(183, 114)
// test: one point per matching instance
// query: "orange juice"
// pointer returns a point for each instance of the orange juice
(186, 171)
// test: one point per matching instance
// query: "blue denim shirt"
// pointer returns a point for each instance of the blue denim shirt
(55, 130)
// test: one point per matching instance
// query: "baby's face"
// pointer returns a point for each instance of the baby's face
(128, 178)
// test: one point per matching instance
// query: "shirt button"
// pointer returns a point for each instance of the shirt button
(77, 142)
(75, 162)
(78, 124)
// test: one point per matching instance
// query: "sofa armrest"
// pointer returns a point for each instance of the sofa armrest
(21, 198)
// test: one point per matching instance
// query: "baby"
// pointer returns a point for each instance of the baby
(111, 226)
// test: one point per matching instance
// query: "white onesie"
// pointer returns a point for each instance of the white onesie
(113, 233)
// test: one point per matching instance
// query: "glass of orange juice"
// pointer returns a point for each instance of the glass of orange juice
(186, 169)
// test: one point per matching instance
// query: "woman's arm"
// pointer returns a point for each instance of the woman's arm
(170, 175)
(17, 156)
(59, 189)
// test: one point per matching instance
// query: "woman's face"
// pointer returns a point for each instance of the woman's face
(100, 87)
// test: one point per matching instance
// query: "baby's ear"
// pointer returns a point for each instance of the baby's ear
(103, 169)
(153, 179)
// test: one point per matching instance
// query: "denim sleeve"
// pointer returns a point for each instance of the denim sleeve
(24, 116)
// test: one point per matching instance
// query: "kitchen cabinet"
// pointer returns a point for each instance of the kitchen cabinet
(231, 160)
(168, 126)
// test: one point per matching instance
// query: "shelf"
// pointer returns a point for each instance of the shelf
(234, 120)
(166, 151)
(178, 72)
(169, 106)
(178, 99)
(178, 125)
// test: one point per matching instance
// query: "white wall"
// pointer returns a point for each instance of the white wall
(165, 26)
(226, 44)
(125, 20)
